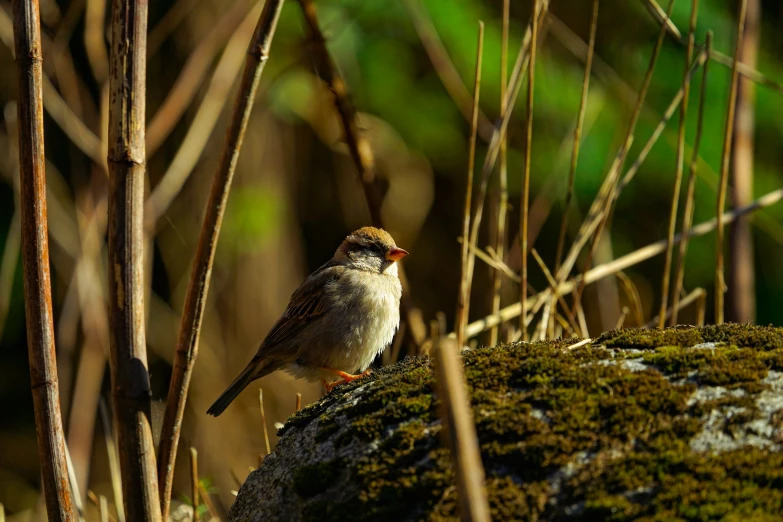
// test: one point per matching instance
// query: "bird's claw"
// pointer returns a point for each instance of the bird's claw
(346, 378)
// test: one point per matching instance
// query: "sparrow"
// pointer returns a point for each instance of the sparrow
(337, 322)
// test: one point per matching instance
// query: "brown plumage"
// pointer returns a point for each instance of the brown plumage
(341, 317)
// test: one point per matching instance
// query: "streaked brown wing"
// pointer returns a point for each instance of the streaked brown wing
(307, 304)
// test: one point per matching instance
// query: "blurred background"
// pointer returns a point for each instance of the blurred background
(409, 67)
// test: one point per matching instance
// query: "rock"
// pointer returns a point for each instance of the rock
(676, 424)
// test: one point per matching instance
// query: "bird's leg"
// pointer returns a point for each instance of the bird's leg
(346, 377)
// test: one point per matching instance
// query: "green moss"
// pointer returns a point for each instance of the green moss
(540, 409)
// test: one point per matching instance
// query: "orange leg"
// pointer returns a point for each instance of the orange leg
(346, 377)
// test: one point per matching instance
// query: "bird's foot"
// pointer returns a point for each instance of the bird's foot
(346, 378)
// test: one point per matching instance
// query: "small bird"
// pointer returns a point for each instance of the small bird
(340, 319)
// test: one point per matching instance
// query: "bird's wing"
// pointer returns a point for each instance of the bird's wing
(307, 304)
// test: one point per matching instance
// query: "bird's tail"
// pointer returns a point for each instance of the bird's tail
(247, 376)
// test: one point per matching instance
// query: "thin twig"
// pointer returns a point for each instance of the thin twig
(198, 286)
(621, 263)
(194, 491)
(298, 401)
(667, 263)
(461, 432)
(687, 218)
(463, 300)
(621, 320)
(720, 285)
(525, 203)
(128, 353)
(500, 230)
(35, 263)
(267, 446)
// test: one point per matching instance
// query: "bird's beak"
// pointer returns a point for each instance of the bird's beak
(395, 254)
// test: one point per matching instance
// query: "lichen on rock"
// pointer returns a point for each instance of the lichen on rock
(676, 424)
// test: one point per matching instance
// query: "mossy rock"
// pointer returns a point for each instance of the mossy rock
(676, 424)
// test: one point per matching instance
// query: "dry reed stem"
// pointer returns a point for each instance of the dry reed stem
(112, 458)
(664, 120)
(553, 287)
(662, 18)
(206, 117)
(604, 207)
(267, 446)
(194, 490)
(94, 43)
(724, 166)
(198, 286)
(444, 67)
(460, 432)
(621, 320)
(687, 218)
(633, 297)
(128, 348)
(528, 151)
(76, 494)
(695, 296)
(192, 74)
(667, 263)
(742, 275)
(500, 224)
(690, 191)
(298, 401)
(35, 263)
(360, 152)
(168, 24)
(621, 263)
(517, 75)
(65, 118)
(103, 509)
(577, 141)
(463, 299)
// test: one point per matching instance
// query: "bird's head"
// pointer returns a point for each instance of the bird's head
(371, 249)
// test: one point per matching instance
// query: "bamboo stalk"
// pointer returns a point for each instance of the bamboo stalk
(35, 263)
(525, 203)
(686, 84)
(460, 432)
(198, 287)
(128, 350)
(720, 285)
(500, 230)
(463, 300)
